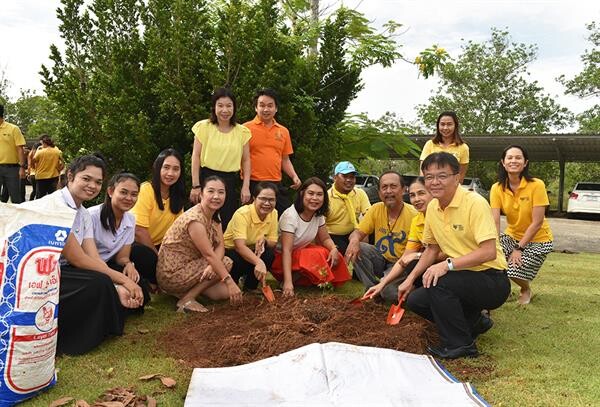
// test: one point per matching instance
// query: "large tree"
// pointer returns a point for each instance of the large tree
(586, 84)
(489, 87)
(135, 75)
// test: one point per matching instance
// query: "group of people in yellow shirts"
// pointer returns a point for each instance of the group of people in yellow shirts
(443, 254)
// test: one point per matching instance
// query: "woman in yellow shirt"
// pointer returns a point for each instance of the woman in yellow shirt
(159, 203)
(221, 148)
(447, 138)
(527, 239)
(48, 164)
(251, 236)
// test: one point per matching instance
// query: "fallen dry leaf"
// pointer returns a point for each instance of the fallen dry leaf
(150, 376)
(108, 404)
(61, 401)
(81, 403)
(143, 331)
(151, 402)
(168, 382)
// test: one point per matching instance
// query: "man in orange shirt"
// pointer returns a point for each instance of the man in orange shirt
(270, 147)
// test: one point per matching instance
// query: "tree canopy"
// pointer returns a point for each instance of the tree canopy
(135, 75)
(489, 87)
(586, 84)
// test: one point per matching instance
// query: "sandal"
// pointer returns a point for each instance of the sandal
(185, 308)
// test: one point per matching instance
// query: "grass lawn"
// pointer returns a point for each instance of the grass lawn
(544, 354)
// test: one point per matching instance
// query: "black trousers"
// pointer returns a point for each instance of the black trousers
(456, 302)
(341, 241)
(145, 261)
(32, 181)
(283, 200)
(242, 268)
(232, 181)
(45, 186)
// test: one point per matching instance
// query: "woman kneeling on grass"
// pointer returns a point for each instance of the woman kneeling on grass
(297, 261)
(114, 228)
(527, 239)
(191, 259)
(93, 296)
(251, 237)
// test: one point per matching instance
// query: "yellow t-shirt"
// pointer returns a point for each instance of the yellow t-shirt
(221, 151)
(461, 152)
(460, 228)
(46, 162)
(245, 224)
(10, 138)
(415, 236)
(518, 208)
(338, 219)
(390, 240)
(148, 215)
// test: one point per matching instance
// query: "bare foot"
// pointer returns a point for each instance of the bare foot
(125, 297)
(525, 297)
(190, 306)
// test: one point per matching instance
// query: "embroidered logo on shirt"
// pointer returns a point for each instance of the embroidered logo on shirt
(524, 198)
(458, 228)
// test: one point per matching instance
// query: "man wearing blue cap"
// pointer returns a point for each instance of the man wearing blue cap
(346, 205)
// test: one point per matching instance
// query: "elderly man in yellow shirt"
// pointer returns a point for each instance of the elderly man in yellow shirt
(347, 204)
(472, 278)
(389, 221)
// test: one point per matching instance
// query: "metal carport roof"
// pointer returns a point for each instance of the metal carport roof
(541, 147)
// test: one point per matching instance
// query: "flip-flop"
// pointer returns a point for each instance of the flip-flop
(184, 308)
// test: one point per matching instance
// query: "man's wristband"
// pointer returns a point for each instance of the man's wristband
(450, 264)
(196, 186)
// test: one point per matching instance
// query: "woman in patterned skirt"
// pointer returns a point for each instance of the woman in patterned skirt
(191, 259)
(527, 239)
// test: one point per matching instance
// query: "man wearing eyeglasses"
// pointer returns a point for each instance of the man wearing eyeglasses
(459, 223)
(346, 205)
(389, 220)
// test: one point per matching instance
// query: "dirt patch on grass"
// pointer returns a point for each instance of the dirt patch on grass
(229, 336)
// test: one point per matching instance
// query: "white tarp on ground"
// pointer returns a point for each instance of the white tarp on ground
(332, 374)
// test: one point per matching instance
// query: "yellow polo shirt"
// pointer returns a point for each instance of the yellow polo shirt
(461, 152)
(338, 219)
(390, 240)
(46, 162)
(518, 208)
(245, 224)
(10, 138)
(460, 228)
(415, 236)
(221, 151)
(148, 215)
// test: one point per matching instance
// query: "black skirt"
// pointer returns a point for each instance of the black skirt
(89, 310)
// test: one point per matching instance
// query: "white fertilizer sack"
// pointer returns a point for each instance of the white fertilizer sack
(31, 240)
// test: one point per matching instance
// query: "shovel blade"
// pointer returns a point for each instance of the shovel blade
(268, 293)
(357, 301)
(395, 314)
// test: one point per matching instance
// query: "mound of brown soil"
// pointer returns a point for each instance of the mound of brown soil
(230, 336)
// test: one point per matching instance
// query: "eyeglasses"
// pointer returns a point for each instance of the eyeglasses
(266, 200)
(440, 177)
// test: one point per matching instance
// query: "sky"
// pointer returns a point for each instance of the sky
(557, 27)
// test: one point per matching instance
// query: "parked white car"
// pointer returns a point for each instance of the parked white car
(475, 184)
(585, 198)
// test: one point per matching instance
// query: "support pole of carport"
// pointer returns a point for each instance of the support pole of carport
(561, 184)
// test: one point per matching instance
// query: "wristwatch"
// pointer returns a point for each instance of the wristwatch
(519, 248)
(450, 264)
(196, 186)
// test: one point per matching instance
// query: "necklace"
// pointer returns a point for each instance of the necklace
(391, 228)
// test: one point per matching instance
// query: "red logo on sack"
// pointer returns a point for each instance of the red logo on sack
(45, 265)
